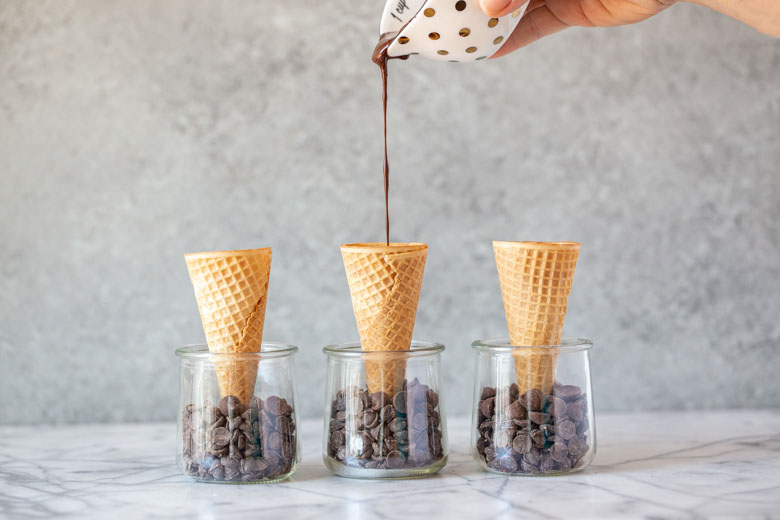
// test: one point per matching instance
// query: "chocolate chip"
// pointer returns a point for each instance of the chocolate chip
(283, 424)
(507, 464)
(272, 458)
(565, 429)
(487, 393)
(538, 417)
(576, 411)
(387, 414)
(537, 436)
(503, 439)
(532, 400)
(395, 460)
(556, 406)
(533, 457)
(274, 405)
(274, 441)
(487, 406)
(221, 437)
(355, 406)
(369, 419)
(218, 424)
(432, 398)
(486, 425)
(378, 400)
(522, 424)
(234, 423)
(577, 446)
(559, 451)
(516, 411)
(399, 401)
(363, 446)
(397, 425)
(567, 392)
(337, 438)
(522, 442)
(547, 464)
(419, 421)
(582, 426)
(211, 414)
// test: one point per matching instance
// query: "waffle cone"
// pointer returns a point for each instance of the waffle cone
(384, 282)
(535, 280)
(231, 289)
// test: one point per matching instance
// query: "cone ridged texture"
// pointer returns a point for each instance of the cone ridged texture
(384, 282)
(536, 279)
(231, 289)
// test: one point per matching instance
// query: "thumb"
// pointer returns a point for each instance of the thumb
(498, 8)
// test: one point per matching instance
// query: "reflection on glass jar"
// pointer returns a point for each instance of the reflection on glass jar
(384, 417)
(225, 439)
(545, 424)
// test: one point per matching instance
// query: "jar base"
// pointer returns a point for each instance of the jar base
(273, 480)
(342, 470)
(549, 473)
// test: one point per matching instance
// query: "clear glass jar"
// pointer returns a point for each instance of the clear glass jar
(222, 439)
(389, 424)
(524, 429)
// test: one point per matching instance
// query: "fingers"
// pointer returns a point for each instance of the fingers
(498, 8)
(536, 23)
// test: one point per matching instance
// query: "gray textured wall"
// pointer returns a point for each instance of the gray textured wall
(133, 132)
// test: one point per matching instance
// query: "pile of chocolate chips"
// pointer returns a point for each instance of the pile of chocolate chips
(380, 431)
(533, 432)
(239, 442)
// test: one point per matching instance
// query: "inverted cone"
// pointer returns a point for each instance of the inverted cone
(231, 289)
(536, 279)
(384, 282)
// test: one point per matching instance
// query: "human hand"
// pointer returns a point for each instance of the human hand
(544, 17)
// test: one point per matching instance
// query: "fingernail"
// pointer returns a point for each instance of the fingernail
(493, 7)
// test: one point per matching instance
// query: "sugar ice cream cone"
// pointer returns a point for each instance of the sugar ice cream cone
(231, 289)
(384, 282)
(535, 280)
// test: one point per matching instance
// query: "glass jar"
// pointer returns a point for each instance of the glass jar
(533, 408)
(384, 416)
(224, 439)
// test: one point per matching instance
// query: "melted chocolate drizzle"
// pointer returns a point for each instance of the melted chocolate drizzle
(380, 57)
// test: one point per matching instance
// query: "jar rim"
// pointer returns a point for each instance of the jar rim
(504, 345)
(269, 349)
(353, 349)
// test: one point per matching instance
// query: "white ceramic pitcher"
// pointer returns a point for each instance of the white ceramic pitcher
(446, 30)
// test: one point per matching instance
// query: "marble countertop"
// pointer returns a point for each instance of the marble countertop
(680, 465)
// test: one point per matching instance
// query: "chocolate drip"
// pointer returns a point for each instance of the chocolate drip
(380, 57)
